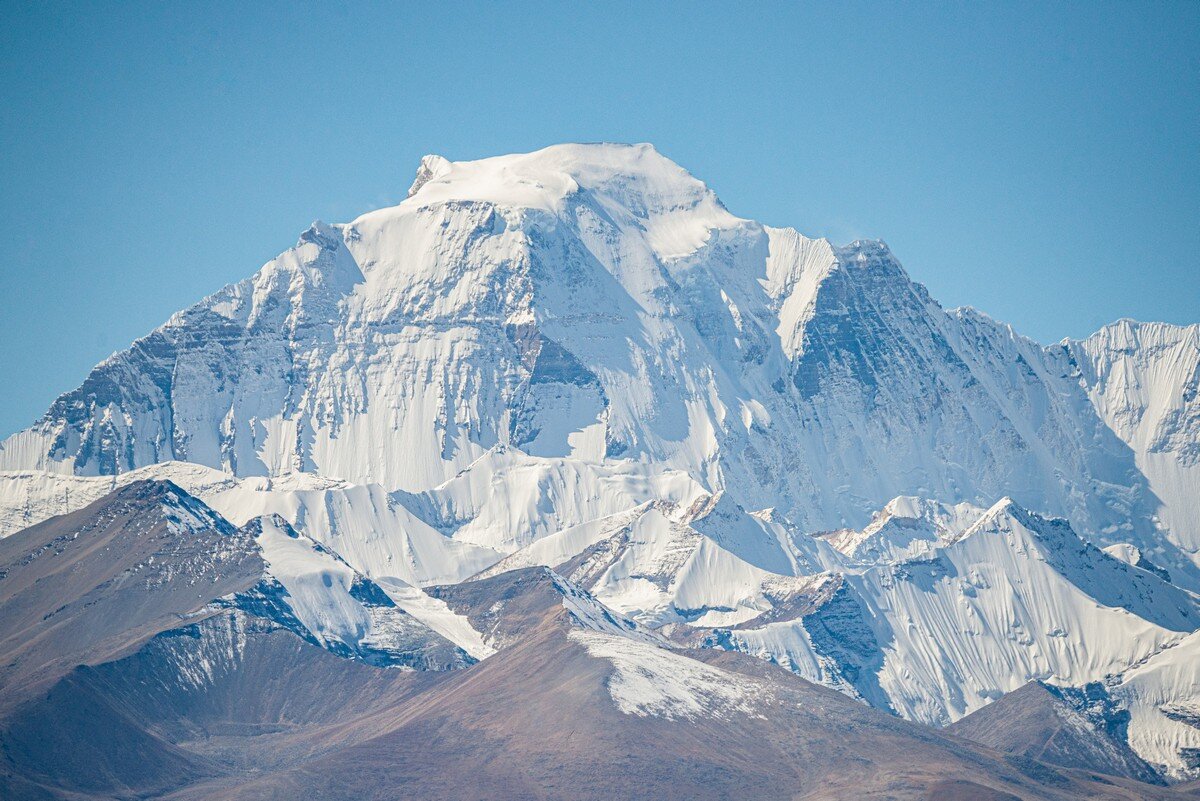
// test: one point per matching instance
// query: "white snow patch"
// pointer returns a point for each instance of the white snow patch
(318, 585)
(652, 681)
(1124, 552)
(437, 615)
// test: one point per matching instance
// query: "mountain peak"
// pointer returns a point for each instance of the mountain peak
(626, 181)
(432, 166)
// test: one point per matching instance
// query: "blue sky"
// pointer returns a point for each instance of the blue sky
(1038, 161)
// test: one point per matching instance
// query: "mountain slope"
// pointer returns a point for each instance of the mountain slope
(1071, 728)
(1150, 712)
(88, 586)
(229, 693)
(85, 587)
(311, 591)
(1011, 598)
(1144, 379)
(368, 527)
(261, 696)
(597, 303)
(569, 711)
(1163, 699)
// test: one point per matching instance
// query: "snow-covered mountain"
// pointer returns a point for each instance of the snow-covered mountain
(311, 591)
(976, 614)
(597, 303)
(80, 588)
(730, 433)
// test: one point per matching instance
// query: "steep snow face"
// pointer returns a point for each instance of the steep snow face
(1012, 598)
(595, 306)
(439, 617)
(319, 586)
(587, 613)
(310, 590)
(368, 527)
(1163, 700)
(905, 529)
(1144, 379)
(508, 499)
(654, 565)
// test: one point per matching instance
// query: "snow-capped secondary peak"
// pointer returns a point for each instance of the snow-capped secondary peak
(944, 630)
(907, 527)
(990, 517)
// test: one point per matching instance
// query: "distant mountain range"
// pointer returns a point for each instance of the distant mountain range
(496, 493)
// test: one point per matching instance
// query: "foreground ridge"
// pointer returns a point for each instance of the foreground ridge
(236, 701)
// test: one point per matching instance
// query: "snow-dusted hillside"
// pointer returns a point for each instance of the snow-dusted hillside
(744, 437)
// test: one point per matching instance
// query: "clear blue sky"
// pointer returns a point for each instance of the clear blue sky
(1039, 161)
